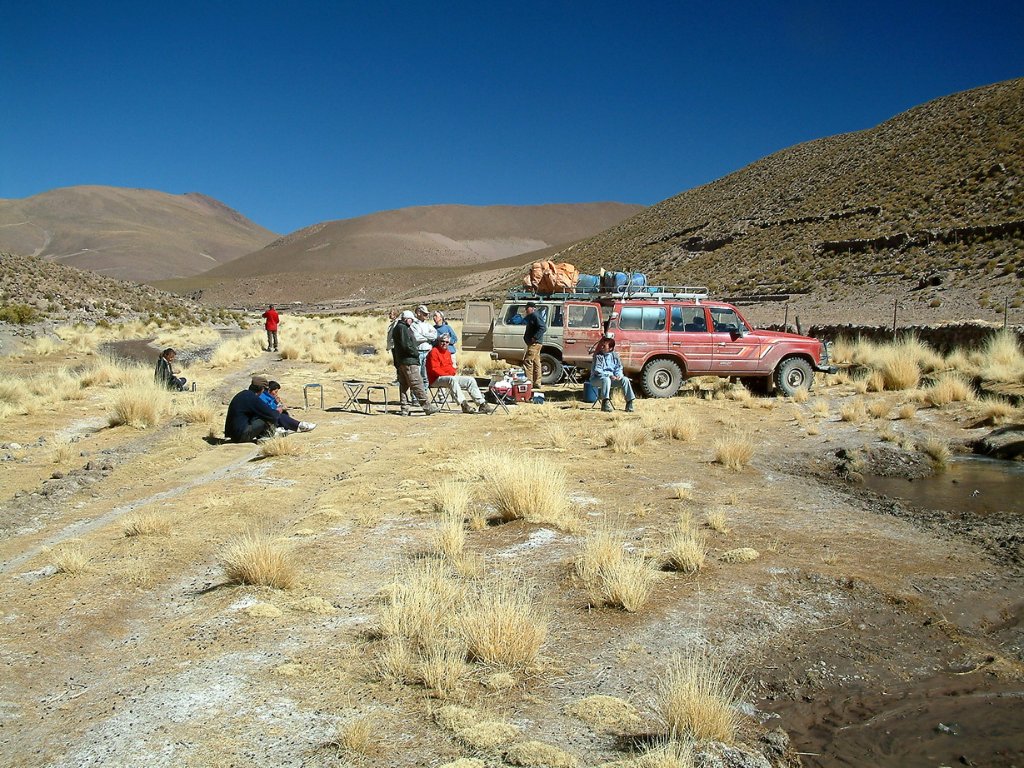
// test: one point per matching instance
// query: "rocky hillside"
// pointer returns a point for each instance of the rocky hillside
(34, 289)
(132, 234)
(932, 197)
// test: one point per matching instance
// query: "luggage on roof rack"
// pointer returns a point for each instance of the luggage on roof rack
(621, 293)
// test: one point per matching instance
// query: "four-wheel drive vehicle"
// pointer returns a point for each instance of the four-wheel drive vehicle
(662, 335)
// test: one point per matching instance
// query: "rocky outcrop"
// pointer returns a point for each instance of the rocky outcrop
(1003, 443)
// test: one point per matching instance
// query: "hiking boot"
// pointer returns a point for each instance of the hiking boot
(606, 406)
(306, 426)
(405, 412)
(430, 410)
(468, 407)
(629, 406)
(486, 407)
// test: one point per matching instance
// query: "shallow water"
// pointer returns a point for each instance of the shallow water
(972, 484)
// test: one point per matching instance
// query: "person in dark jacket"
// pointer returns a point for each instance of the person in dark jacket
(534, 338)
(249, 418)
(165, 373)
(406, 356)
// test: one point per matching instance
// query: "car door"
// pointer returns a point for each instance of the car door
(582, 331)
(736, 351)
(642, 330)
(688, 335)
(478, 327)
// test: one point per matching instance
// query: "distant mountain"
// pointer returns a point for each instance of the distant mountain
(928, 206)
(133, 234)
(427, 236)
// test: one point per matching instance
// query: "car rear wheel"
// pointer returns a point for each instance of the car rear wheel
(662, 378)
(792, 375)
(551, 369)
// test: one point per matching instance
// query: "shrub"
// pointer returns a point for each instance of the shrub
(260, 560)
(699, 696)
(139, 405)
(530, 488)
(687, 548)
(734, 451)
(18, 314)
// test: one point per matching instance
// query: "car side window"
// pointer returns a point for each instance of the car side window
(642, 319)
(514, 315)
(557, 319)
(725, 320)
(689, 319)
(581, 316)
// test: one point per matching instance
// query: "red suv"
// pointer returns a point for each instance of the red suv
(664, 336)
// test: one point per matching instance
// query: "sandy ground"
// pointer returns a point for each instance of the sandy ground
(860, 627)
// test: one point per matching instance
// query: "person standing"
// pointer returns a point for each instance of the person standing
(423, 331)
(443, 329)
(271, 325)
(406, 357)
(534, 338)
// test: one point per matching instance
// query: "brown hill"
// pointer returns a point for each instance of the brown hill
(133, 234)
(395, 251)
(928, 206)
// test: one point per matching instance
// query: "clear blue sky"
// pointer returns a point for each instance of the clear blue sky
(295, 113)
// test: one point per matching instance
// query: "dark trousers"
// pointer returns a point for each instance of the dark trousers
(286, 421)
(272, 340)
(411, 386)
(257, 428)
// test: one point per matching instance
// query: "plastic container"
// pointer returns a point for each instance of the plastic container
(588, 282)
(538, 398)
(589, 392)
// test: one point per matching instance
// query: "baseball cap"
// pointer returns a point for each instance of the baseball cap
(407, 315)
(260, 381)
(423, 308)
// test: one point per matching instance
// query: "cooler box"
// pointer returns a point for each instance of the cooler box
(518, 392)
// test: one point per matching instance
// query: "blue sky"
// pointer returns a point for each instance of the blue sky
(295, 113)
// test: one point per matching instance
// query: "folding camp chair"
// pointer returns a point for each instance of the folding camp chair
(444, 399)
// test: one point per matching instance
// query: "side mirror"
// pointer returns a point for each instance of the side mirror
(737, 333)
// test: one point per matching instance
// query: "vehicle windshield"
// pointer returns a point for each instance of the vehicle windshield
(727, 321)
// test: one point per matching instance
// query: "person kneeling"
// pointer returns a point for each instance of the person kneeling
(272, 397)
(441, 372)
(606, 372)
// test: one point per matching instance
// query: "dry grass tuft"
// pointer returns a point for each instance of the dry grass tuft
(444, 669)
(607, 713)
(672, 754)
(949, 388)
(488, 734)
(502, 624)
(196, 408)
(423, 605)
(677, 426)
(687, 548)
(699, 696)
(532, 489)
(878, 409)
(682, 491)
(937, 450)
(735, 450)
(907, 411)
(146, 524)
(717, 521)
(626, 437)
(612, 575)
(537, 754)
(996, 410)
(358, 736)
(397, 661)
(139, 405)
(820, 408)
(853, 411)
(260, 560)
(280, 446)
(63, 451)
(739, 555)
(70, 558)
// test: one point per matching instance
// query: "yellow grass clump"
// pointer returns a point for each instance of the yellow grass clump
(739, 555)
(686, 550)
(236, 350)
(906, 411)
(196, 408)
(996, 410)
(70, 558)
(949, 388)
(530, 488)
(260, 560)
(139, 404)
(612, 575)
(503, 625)
(734, 451)
(538, 754)
(937, 450)
(878, 409)
(626, 437)
(673, 425)
(699, 696)
(280, 446)
(450, 535)
(146, 524)
(359, 735)
(853, 411)
(422, 606)
(607, 713)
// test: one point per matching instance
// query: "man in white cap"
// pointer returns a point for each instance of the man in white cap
(406, 358)
(425, 333)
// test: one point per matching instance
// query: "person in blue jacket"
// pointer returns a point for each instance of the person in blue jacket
(272, 397)
(442, 328)
(606, 372)
(249, 418)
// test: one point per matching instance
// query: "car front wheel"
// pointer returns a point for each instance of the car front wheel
(551, 369)
(662, 378)
(792, 375)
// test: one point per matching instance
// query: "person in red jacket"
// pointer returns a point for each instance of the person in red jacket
(271, 326)
(441, 372)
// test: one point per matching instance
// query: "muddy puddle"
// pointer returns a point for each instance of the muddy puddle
(944, 721)
(135, 350)
(971, 484)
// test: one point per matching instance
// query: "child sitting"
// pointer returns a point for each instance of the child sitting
(272, 397)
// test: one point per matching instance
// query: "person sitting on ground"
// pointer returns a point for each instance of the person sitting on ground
(606, 372)
(441, 372)
(406, 357)
(442, 328)
(165, 373)
(272, 397)
(249, 418)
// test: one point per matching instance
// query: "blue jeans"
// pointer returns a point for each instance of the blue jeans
(604, 384)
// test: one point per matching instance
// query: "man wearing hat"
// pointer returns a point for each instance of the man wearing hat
(406, 357)
(425, 333)
(534, 338)
(606, 372)
(248, 416)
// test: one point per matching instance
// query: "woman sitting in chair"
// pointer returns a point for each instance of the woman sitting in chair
(606, 372)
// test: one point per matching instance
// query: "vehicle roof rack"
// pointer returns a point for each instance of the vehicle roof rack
(621, 293)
